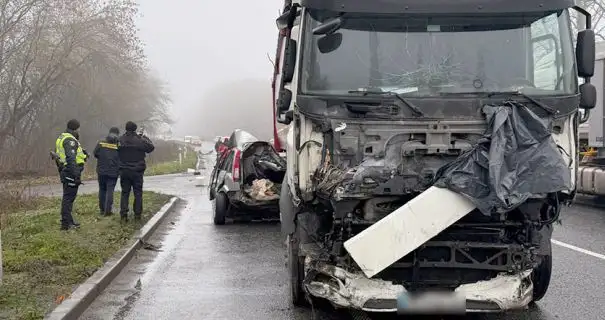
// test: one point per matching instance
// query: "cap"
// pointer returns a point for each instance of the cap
(131, 126)
(73, 124)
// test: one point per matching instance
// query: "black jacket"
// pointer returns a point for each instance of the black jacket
(108, 160)
(132, 150)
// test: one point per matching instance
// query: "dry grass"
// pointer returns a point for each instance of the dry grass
(42, 264)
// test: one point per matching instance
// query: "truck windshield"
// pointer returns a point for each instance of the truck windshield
(418, 55)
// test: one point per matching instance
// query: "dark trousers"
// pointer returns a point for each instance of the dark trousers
(67, 204)
(131, 180)
(107, 185)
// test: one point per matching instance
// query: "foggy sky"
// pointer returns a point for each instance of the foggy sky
(198, 46)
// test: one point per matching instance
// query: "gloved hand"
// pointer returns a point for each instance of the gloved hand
(86, 153)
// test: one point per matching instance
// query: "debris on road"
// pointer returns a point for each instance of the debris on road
(263, 189)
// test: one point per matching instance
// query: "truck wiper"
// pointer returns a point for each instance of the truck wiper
(521, 94)
(410, 105)
(490, 94)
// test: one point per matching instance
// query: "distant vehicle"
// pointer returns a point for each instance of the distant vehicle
(246, 181)
(188, 139)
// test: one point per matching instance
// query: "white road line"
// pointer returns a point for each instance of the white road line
(574, 248)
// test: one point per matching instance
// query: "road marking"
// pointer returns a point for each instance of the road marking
(574, 248)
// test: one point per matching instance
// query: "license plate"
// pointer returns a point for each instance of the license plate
(431, 303)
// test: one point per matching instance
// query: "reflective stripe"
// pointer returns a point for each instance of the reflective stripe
(109, 145)
(80, 156)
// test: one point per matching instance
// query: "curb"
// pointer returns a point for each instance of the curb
(74, 306)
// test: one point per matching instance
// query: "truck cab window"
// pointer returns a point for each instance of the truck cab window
(546, 50)
(427, 55)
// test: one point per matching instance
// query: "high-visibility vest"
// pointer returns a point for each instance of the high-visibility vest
(80, 156)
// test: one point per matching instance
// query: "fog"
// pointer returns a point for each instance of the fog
(204, 50)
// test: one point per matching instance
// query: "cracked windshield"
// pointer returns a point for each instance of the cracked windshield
(440, 55)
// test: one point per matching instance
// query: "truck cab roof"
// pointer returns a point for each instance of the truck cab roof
(437, 6)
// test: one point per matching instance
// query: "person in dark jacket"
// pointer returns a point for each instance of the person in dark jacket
(132, 151)
(108, 169)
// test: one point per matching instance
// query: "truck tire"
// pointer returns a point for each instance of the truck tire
(541, 277)
(221, 206)
(296, 270)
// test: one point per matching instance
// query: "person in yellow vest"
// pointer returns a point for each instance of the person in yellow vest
(71, 160)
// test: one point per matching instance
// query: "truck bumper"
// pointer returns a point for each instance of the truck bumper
(353, 290)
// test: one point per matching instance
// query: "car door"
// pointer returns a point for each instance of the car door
(223, 173)
(215, 177)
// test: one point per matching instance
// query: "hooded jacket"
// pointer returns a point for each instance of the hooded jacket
(133, 149)
(108, 159)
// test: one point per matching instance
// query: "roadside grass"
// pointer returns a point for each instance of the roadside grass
(169, 167)
(43, 265)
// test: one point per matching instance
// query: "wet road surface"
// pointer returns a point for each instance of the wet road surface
(237, 271)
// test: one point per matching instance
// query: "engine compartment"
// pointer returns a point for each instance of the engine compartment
(369, 169)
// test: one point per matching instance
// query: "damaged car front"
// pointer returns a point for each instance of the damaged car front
(433, 157)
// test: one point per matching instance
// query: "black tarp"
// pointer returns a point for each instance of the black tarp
(517, 159)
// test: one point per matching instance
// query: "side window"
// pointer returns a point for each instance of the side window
(546, 48)
(229, 162)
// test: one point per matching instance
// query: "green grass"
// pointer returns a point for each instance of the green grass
(43, 265)
(170, 167)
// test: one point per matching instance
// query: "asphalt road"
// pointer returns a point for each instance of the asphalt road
(237, 271)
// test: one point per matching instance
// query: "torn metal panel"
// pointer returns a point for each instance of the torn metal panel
(354, 290)
(507, 291)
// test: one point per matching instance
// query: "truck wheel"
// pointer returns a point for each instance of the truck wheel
(296, 269)
(221, 205)
(541, 277)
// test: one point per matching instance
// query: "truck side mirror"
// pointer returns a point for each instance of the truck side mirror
(289, 60)
(283, 106)
(283, 101)
(585, 53)
(588, 96)
(285, 118)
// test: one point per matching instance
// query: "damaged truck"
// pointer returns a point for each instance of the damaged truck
(246, 180)
(431, 146)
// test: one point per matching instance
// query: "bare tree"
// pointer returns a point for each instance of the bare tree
(70, 59)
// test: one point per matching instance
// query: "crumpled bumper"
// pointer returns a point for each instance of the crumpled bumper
(350, 290)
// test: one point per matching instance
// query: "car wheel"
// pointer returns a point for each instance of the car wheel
(541, 277)
(297, 273)
(221, 205)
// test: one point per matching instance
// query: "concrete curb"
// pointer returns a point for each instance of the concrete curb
(85, 294)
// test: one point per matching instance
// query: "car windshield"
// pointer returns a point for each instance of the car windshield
(436, 55)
